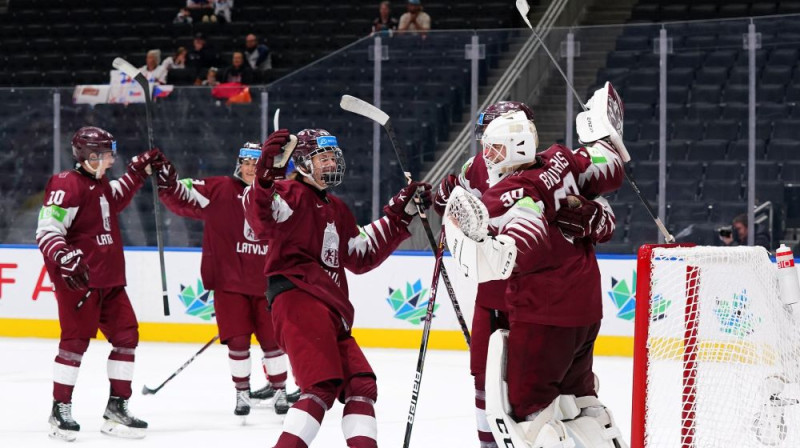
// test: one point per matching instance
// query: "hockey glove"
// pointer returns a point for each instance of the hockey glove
(275, 153)
(140, 165)
(73, 270)
(166, 175)
(443, 193)
(579, 217)
(402, 206)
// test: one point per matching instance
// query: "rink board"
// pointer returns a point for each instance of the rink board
(388, 300)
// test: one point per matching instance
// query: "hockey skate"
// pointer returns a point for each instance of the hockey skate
(263, 394)
(120, 422)
(293, 397)
(281, 402)
(242, 405)
(62, 425)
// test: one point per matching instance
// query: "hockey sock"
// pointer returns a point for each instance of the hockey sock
(66, 366)
(120, 371)
(302, 423)
(358, 418)
(239, 361)
(484, 432)
(275, 368)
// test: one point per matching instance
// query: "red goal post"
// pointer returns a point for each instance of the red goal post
(715, 351)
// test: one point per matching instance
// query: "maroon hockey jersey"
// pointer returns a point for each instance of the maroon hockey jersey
(80, 212)
(314, 237)
(233, 258)
(556, 281)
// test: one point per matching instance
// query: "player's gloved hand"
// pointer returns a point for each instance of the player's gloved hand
(73, 270)
(266, 169)
(578, 217)
(443, 193)
(140, 164)
(166, 174)
(402, 206)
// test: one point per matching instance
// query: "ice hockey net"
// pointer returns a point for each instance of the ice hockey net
(715, 358)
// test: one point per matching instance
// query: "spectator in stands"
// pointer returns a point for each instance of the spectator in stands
(200, 57)
(184, 16)
(222, 11)
(153, 70)
(736, 234)
(211, 77)
(238, 71)
(257, 54)
(385, 23)
(415, 19)
(177, 60)
(200, 8)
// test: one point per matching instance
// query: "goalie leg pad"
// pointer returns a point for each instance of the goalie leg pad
(594, 426)
(544, 431)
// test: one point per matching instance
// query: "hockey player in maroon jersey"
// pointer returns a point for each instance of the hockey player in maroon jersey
(232, 266)
(313, 239)
(491, 311)
(79, 236)
(554, 286)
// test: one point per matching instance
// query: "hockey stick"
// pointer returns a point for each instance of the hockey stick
(276, 119)
(126, 67)
(361, 107)
(524, 8)
(147, 391)
(438, 269)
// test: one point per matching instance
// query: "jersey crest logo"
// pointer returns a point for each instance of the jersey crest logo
(104, 211)
(330, 246)
(249, 234)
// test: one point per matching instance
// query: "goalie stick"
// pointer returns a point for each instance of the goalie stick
(126, 67)
(361, 107)
(523, 7)
(147, 391)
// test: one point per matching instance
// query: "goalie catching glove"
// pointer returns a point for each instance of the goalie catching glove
(275, 154)
(479, 256)
(401, 207)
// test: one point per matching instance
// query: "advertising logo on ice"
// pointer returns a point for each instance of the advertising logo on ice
(410, 305)
(198, 302)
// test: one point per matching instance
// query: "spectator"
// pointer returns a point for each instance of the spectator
(199, 8)
(177, 60)
(257, 54)
(222, 11)
(415, 19)
(238, 71)
(200, 57)
(385, 22)
(153, 70)
(736, 233)
(184, 16)
(211, 78)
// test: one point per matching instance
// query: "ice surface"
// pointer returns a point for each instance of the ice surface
(196, 408)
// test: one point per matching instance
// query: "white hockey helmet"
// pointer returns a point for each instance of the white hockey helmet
(509, 141)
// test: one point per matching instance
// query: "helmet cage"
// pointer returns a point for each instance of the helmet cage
(323, 144)
(509, 141)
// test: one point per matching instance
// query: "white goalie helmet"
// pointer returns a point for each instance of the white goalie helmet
(509, 141)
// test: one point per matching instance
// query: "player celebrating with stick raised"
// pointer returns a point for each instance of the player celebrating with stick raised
(232, 266)
(313, 238)
(79, 236)
(530, 240)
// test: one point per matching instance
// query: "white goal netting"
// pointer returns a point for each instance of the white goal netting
(722, 363)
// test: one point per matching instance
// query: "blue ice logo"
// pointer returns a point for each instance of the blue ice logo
(199, 303)
(412, 305)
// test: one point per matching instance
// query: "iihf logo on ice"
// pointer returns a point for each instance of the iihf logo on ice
(198, 303)
(412, 305)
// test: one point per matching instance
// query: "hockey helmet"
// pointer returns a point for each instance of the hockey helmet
(497, 109)
(90, 140)
(248, 151)
(311, 142)
(509, 141)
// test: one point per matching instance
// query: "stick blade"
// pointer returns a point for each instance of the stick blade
(276, 119)
(125, 67)
(363, 108)
(524, 8)
(147, 391)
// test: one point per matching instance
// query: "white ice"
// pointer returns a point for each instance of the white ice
(196, 408)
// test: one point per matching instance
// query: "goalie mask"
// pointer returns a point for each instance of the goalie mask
(497, 109)
(329, 167)
(510, 140)
(94, 145)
